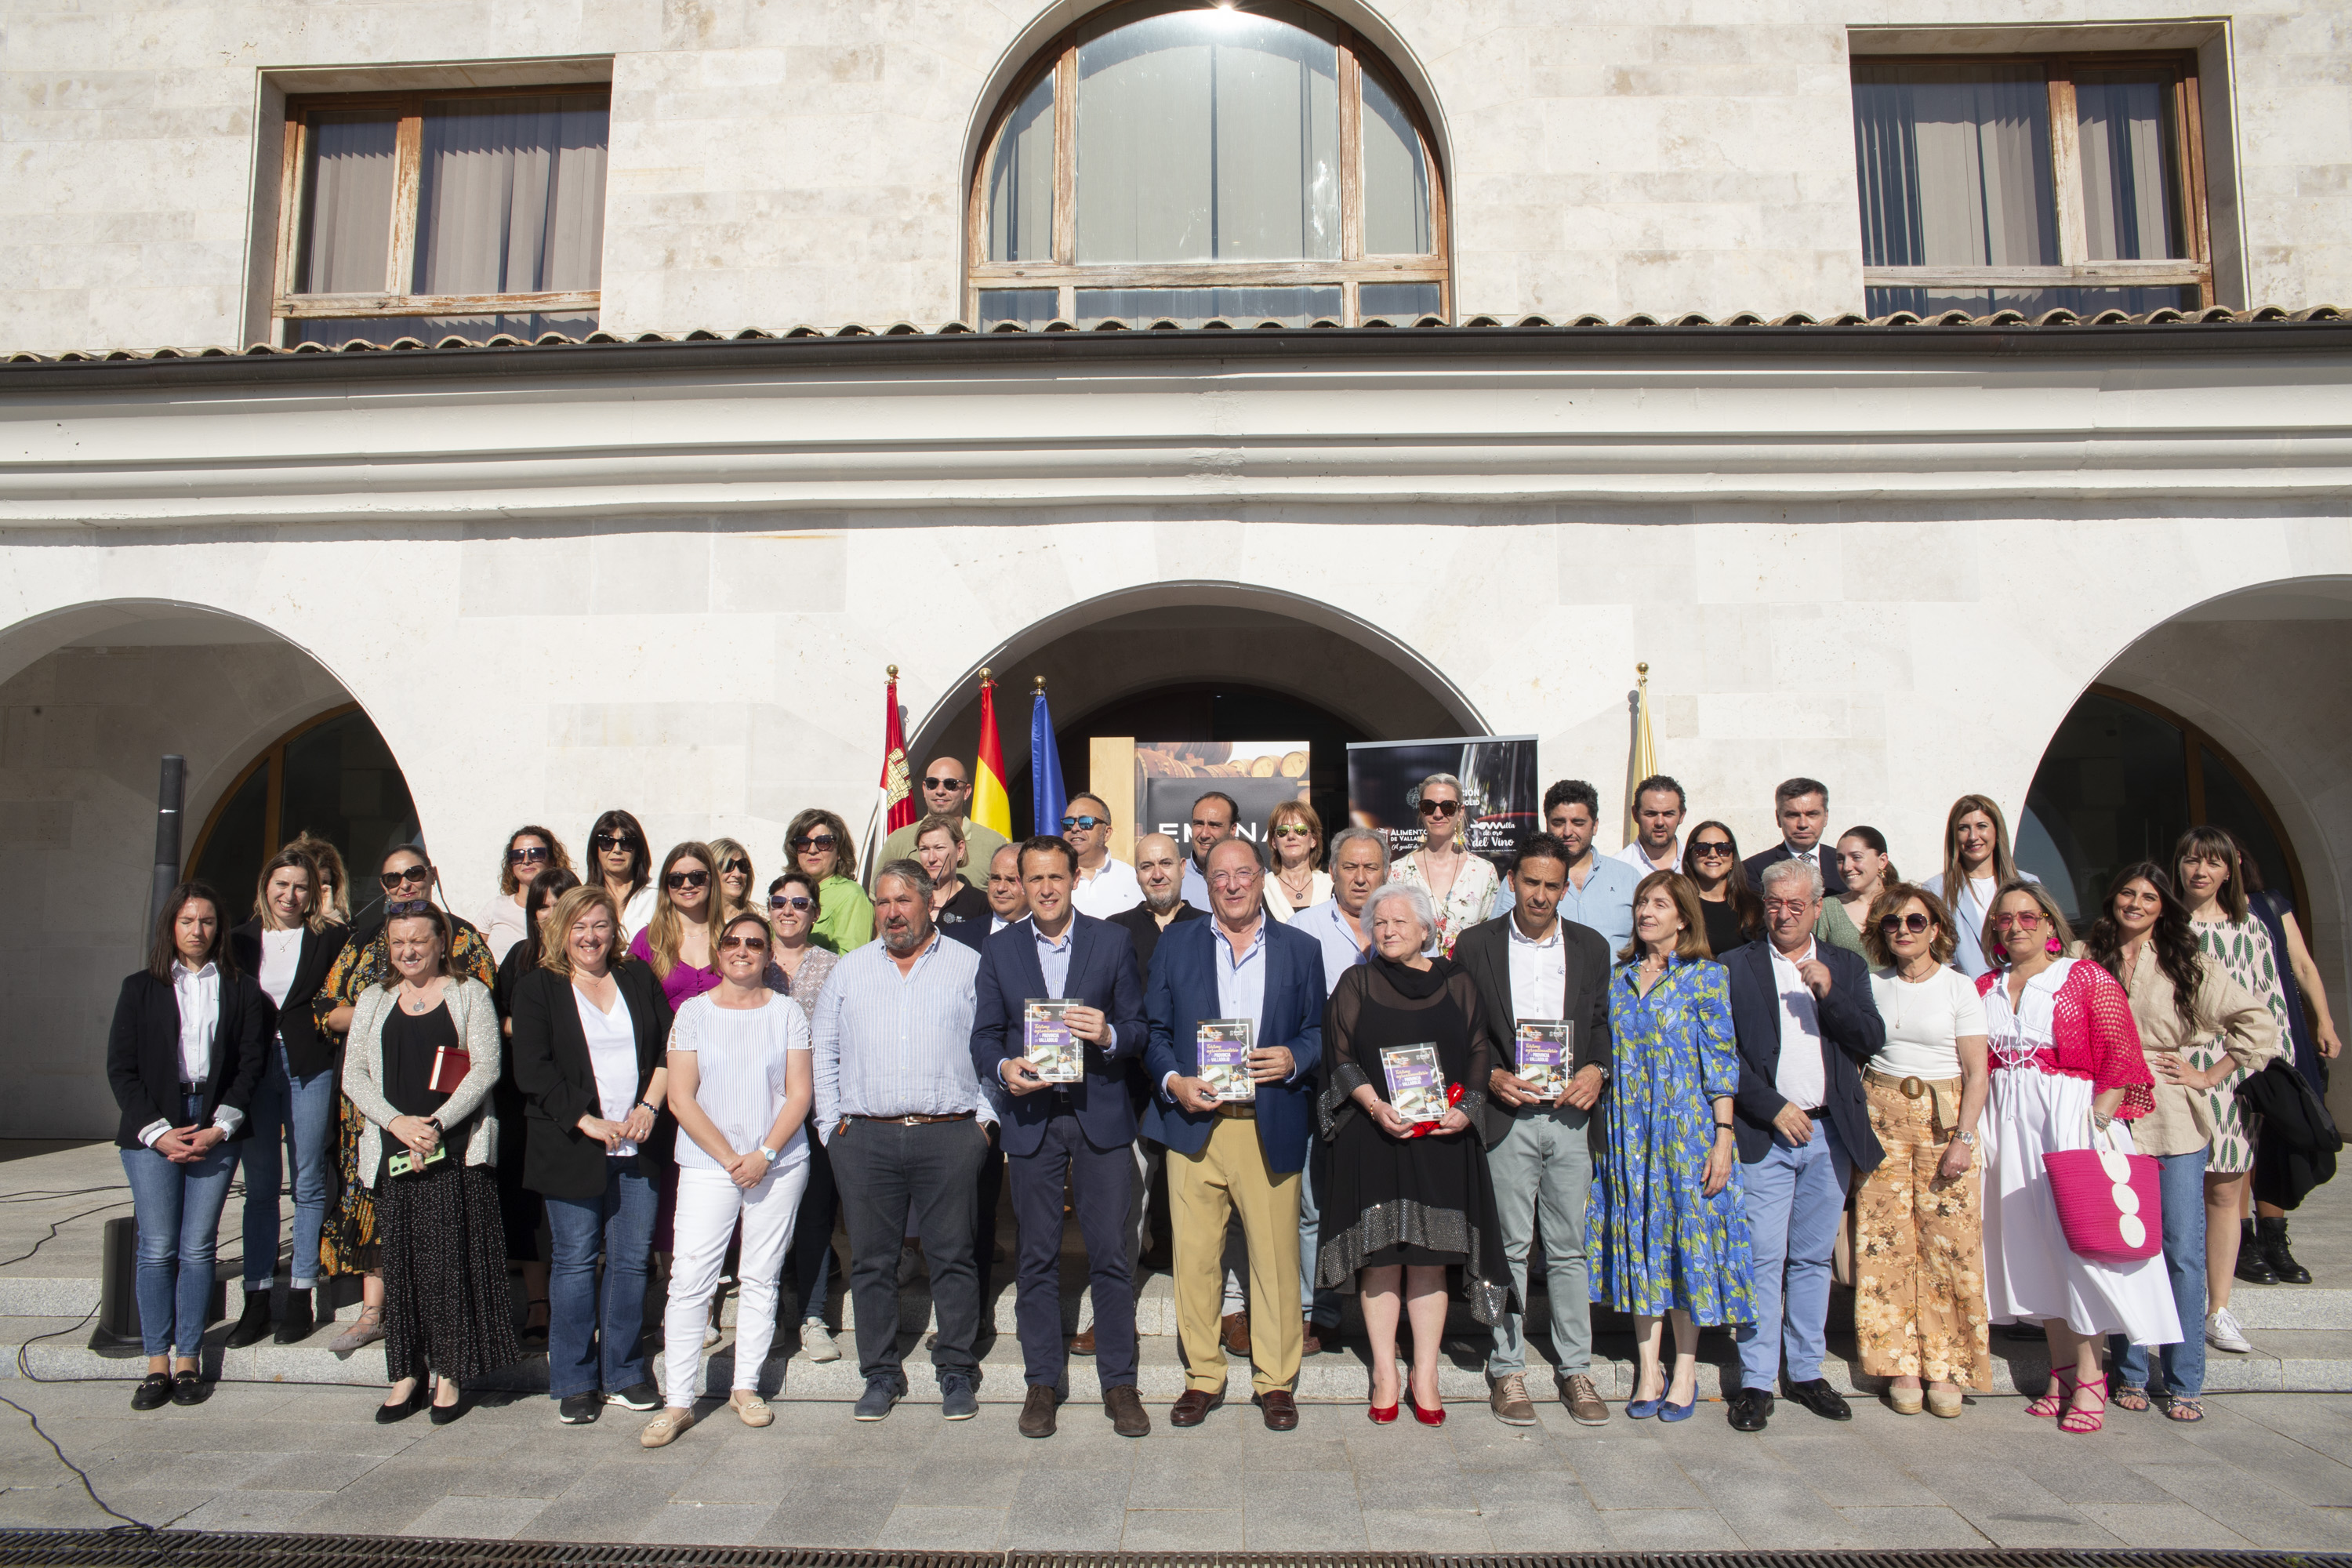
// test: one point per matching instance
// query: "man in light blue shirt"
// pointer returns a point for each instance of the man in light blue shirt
(907, 1130)
(1599, 892)
(1213, 815)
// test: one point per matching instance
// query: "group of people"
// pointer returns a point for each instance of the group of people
(1699, 1084)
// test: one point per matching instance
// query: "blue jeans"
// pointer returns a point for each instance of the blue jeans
(1796, 1196)
(2180, 1182)
(178, 1210)
(288, 1111)
(593, 1337)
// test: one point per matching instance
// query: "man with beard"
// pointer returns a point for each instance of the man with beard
(909, 1130)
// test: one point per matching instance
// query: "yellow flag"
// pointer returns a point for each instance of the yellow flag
(1642, 762)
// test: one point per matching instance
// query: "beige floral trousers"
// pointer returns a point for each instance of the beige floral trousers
(1918, 1246)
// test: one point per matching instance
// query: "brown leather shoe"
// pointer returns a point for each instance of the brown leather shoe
(1235, 1328)
(1584, 1404)
(1508, 1397)
(1193, 1407)
(1037, 1412)
(1281, 1410)
(1084, 1344)
(1125, 1408)
(1311, 1343)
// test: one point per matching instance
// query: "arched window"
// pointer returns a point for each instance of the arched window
(331, 775)
(2123, 779)
(1197, 162)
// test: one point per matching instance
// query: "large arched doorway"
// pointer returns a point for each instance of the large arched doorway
(1202, 661)
(94, 696)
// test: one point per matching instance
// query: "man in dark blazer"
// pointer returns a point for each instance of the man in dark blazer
(1245, 1157)
(1530, 964)
(1082, 1131)
(1159, 872)
(1801, 807)
(1806, 1024)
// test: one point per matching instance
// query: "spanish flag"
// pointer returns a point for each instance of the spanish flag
(990, 806)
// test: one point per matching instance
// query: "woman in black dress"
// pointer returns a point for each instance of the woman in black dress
(428, 1154)
(1734, 914)
(1409, 1199)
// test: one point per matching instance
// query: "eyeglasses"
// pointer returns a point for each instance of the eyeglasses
(814, 841)
(781, 903)
(1710, 849)
(1895, 925)
(1294, 830)
(530, 857)
(1787, 906)
(1440, 807)
(943, 783)
(1083, 824)
(2017, 922)
(745, 943)
(1232, 879)
(687, 879)
(603, 841)
(420, 875)
(738, 867)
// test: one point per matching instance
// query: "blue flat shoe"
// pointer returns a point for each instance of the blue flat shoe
(1676, 1412)
(1641, 1409)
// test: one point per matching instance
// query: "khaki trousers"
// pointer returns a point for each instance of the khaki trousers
(1229, 1176)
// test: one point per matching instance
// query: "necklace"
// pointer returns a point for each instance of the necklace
(1298, 889)
(414, 1001)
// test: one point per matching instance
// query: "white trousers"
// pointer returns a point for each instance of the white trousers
(708, 1204)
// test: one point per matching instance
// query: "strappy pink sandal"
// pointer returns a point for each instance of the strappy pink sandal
(2054, 1398)
(2076, 1420)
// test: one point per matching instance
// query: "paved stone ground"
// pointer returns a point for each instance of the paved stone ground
(2270, 1470)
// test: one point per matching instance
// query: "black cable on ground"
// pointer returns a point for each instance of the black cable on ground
(129, 1526)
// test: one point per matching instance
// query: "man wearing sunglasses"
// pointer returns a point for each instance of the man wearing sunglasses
(1104, 887)
(1805, 1023)
(946, 789)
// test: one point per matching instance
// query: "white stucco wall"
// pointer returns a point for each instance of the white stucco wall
(776, 161)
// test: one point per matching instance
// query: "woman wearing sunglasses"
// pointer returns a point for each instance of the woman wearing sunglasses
(2199, 1028)
(530, 851)
(349, 1244)
(620, 858)
(1918, 1286)
(733, 864)
(1461, 885)
(680, 940)
(741, 1087)
(1734, 915)
(1294, 884)
(818, 842)
(2066, 1068)
(798, 968)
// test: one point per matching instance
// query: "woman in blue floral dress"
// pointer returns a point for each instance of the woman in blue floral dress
(1667, 1225)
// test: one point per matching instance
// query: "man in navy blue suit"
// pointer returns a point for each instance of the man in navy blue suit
(1081, 1130)
(1806, 1022)
(1245, 1157)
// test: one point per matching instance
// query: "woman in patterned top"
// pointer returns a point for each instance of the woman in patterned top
(1460, 885)
(2206, 861)
(349, 1243)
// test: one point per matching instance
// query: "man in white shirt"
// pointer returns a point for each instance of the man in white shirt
(1801, 807)
(1805, 1023)
(1659, 805)
(1008, 901)
(1213, 815)
(1104, 887)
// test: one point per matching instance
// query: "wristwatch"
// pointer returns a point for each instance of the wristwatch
(1964, 1136)
(769, 1154)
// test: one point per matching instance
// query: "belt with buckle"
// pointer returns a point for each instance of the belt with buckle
(915, 1121)
(1243, 1111)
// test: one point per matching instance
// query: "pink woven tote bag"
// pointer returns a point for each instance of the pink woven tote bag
(2108, 1202)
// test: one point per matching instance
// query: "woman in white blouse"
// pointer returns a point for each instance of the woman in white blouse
(530, 850)
(740, 1086)
(1918, 1255)
(1460, 884)
(1294, 884)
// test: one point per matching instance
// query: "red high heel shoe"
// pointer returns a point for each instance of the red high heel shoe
(1382, 1414)
(1427, 1417)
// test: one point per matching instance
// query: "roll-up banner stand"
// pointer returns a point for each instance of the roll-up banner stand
(1500, 797)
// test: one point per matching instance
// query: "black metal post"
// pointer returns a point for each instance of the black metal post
(169, 797)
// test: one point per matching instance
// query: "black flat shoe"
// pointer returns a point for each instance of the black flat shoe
(253, 1325)
(190, 1388)
(154, 1392)
(1816, 1395)
(1749, 1409)
(388, 1414)
(295, 1325)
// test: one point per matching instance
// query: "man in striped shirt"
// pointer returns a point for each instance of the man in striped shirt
(908, 1129)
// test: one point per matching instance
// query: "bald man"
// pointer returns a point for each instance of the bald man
(945, 787)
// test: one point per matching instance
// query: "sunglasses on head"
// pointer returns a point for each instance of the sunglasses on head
(405, 909)
(943, 784)
(420, 875)
(814, 841)
(603, 841)
(687, 879)
(781, 902)
(1708, 848)
(531, 856)
(749, 943)
(1440, 807)
(1083, 823)
(1895, 925)
(739, 866)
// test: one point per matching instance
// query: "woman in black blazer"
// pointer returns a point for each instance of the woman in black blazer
(182, 1057)
(287, 947)
(591, 1033)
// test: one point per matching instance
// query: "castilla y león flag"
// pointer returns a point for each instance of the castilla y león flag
(991, 807)
(897, 787)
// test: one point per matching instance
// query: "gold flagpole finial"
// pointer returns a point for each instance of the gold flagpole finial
(1041, 683)
(1642, 671)
(893, 672)
(983, 676)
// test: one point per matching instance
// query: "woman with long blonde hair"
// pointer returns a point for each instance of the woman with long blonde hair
(680, 940)
(1977, 863)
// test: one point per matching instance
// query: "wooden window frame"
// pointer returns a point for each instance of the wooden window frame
(408, 152)
(2075, 269)
(1067, 275)
(273, 757)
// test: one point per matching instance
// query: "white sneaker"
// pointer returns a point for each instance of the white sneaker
(816, 1341)
(2222, 1332)
(709, 1335)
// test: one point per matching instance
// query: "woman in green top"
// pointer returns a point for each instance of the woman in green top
(818, 842)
